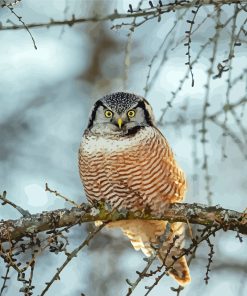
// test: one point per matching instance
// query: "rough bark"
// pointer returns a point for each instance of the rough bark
(187, 213)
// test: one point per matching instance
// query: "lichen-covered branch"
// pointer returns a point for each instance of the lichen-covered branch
(187, 213)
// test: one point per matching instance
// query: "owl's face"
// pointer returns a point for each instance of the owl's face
(120, 113)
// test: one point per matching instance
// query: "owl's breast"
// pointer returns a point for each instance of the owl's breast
(129, 171)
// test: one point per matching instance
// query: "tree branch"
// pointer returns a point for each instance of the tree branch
(155, 11)
(192, 213)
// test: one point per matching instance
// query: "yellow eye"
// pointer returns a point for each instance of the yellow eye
(108, 114)
(131, 113)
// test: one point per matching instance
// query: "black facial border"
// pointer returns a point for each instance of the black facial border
(93, 114)
(148, 118)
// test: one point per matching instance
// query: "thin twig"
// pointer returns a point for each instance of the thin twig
(188, 43)
(24, 213)
(47, 188)
(192, 246)
(115, 16)
(5, 278)
(70, 256)
(11, 8)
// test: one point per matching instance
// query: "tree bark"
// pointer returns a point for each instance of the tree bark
(187, 213)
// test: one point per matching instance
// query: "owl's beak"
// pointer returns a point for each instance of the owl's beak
(120, 122)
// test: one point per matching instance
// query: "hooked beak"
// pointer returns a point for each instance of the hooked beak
(120, 122)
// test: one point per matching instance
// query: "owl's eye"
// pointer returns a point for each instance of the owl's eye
(108, 114)
(131, 113)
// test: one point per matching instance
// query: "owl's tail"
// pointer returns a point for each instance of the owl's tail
(145, 235)
(172, 248)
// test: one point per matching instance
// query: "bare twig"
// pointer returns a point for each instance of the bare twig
(191, 248)
(70, 256)
(210, 260)
(188, 43)
(156, 12)
(24, 213)
(11, 8)
(47, 188)
(5, 278)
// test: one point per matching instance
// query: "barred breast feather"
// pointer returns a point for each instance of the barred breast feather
(131, 172)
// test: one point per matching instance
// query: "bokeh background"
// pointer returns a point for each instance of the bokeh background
(45, 99)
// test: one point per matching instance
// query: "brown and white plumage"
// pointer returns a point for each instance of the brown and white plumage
(126, 161)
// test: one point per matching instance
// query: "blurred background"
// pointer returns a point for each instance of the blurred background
(45, 99)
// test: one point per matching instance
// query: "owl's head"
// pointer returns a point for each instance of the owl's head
(121, 113)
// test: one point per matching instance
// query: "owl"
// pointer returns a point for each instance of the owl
(125, 160)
